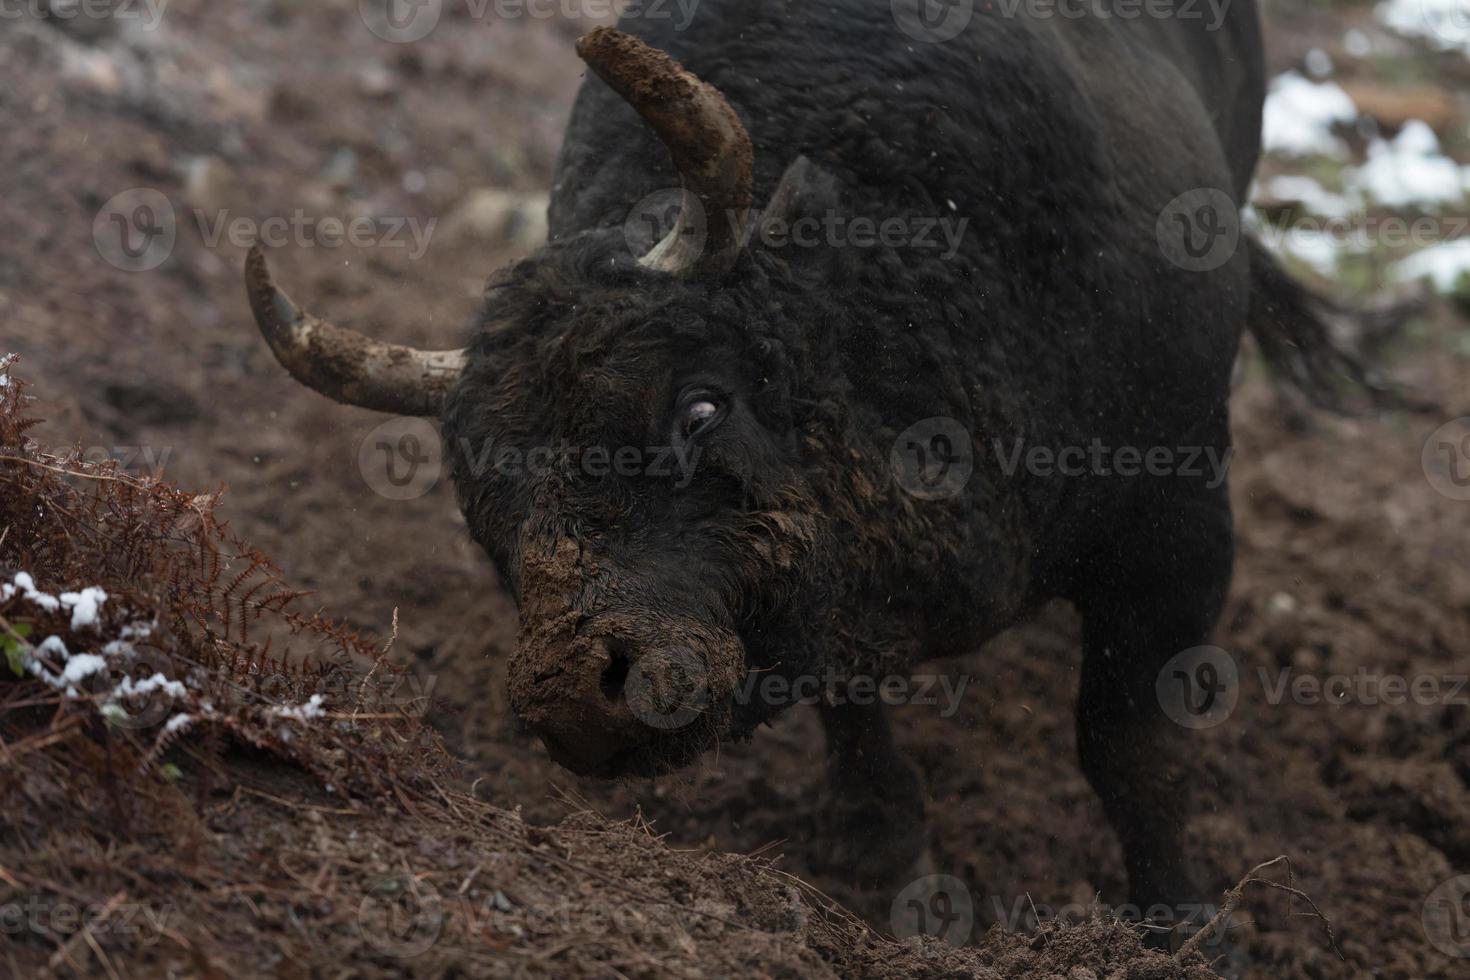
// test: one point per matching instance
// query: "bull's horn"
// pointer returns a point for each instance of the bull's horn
(343, 364)
(706, 139)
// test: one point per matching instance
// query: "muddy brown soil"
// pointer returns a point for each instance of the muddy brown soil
(1350, 560)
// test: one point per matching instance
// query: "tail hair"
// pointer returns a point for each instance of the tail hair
(1292, 325)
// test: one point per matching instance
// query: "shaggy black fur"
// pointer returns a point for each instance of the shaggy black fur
(1059, 321)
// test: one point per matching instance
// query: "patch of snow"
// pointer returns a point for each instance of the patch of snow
(55, 646)
(300, 712)
(123, 645)
(1299, 116)
(158, 682)
(76, 667)
(82, 666)
(1444, 24)
(84, 606)
(1319, 243)
(1316, 198)
(1411, 171)
(1320, 250)
(1443, 265)
(177, 723)
(1357, 44)
(25, 586)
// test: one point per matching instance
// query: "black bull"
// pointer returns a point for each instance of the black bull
(1090, 290)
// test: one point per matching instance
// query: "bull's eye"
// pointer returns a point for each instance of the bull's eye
(698, 415)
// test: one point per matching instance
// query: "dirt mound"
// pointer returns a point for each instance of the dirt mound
(193, 789)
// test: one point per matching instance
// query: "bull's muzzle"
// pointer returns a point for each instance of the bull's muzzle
(613, 705)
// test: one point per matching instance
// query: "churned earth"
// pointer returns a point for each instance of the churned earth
(1353, 564)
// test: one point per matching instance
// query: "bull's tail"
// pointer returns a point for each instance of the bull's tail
(1291, 323)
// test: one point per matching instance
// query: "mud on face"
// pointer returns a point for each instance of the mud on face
(627, 461)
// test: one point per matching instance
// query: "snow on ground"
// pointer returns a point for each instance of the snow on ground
(1411, 171)
(1319, 63)
(85, 606)
(301, 712)
(1443, 24)
(75, 667)
(1408, 174)
(25, 586)
(1313, 196)
(51, 661)
(1299, 116)
(1318, 243)
(81, 666)
(1443, 265)
(158, 682)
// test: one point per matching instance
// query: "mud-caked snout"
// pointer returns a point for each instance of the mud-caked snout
(618, 698)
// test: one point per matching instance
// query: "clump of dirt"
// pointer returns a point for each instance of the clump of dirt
(191, 789)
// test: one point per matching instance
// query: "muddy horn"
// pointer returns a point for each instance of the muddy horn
(343, 364)
(706, 139)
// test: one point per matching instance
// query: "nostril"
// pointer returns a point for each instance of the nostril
(615, 675)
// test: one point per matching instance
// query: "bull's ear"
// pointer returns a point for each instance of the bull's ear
(794, 222)
(805, 190)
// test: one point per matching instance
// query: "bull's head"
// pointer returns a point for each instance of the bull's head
(669, 528)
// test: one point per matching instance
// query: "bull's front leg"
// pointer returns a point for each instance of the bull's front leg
(872, 822)
(1154, 595)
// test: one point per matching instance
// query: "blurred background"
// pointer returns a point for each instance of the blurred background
(401, 169)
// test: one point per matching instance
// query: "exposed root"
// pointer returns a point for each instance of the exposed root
(1233, 899)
